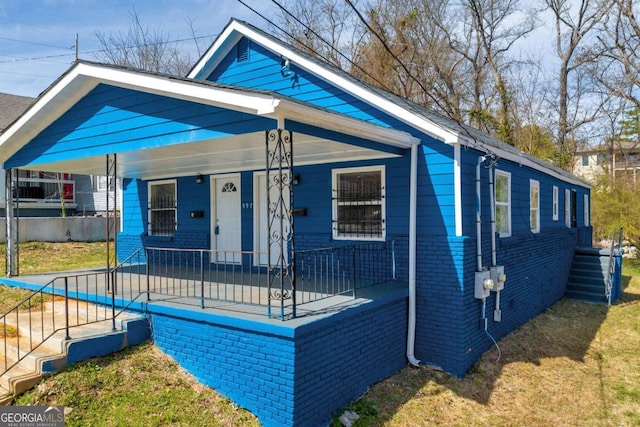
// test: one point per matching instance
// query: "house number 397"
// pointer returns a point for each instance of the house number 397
(247, 205)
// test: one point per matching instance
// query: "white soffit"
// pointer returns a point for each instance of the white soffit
(230, 154)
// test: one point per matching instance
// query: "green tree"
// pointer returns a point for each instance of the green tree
(615, 203)
(630, 126)
(537, 141)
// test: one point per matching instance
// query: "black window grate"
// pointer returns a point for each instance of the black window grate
(359, 199)
(162, 209)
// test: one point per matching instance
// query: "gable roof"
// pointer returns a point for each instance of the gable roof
(11, 107)
(421, 118)
(84, 76)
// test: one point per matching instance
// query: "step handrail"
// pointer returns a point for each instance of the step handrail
(42, 293)
(611, 268)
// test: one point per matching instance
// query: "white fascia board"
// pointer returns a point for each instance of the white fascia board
(82, 78)
(252, 102)
(349, 86)
(220, 47)
(51, 105)
(346, 125)
(526, 161)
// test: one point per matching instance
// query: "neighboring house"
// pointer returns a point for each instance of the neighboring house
(40, 191)
(376, 181)
(620, 159)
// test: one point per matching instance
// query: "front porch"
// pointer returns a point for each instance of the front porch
(326, 281)
(271, 315)
(335, 347)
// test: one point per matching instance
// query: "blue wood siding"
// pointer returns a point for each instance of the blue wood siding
(263, 70)
(520, 182)
(313, 193)
(111, 119)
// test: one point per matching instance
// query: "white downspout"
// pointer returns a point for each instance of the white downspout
(481, 159)
(494, 261)
(413, 195)
(493, 218)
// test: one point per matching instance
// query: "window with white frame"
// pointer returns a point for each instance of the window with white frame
(162, 208)
(567, 207)
(586, 210)
(534, 205)
(359, 203)
(100, 183)
(503, 203)
(556, 214)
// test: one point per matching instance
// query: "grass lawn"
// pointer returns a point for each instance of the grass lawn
(139, 386)
(41, 257)
(576, 364)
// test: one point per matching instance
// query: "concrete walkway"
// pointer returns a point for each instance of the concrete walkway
(35, 342)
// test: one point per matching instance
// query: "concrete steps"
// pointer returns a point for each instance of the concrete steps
(55, 352)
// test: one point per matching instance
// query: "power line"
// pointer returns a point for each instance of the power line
(27, 74)
(34, 58)
(461, 126)
(283, 30)
(394, 56)
(34, 43)
(353, 64)
(373, 78)
(90, 52)
(318, 54)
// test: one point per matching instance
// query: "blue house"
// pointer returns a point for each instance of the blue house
(350, 231)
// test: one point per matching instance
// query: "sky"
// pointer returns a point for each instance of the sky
(37, 37)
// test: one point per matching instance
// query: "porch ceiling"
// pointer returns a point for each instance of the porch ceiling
(221, 155)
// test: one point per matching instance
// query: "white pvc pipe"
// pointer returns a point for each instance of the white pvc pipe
(493, 236)
(493, 217)
(413, 196)
(478, 216)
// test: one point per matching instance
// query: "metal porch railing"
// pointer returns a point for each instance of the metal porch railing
(204, 274)
(230, 277)
(80, 300)
(611, 269)
(240, 277)
(326, 272)
(46, 190)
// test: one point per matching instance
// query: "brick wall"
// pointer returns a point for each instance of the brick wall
(337, 359)
(449, 332)
(294, 373)
(440, 322)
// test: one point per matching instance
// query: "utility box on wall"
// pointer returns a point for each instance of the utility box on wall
(483, 284)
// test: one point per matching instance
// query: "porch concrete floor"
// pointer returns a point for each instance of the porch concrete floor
(249, 301)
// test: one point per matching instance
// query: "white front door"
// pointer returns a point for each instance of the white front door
(261, 215)
(226, 228)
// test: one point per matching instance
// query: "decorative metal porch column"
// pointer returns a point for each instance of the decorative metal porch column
(281, 277)
(12, 215)
(111, 216)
